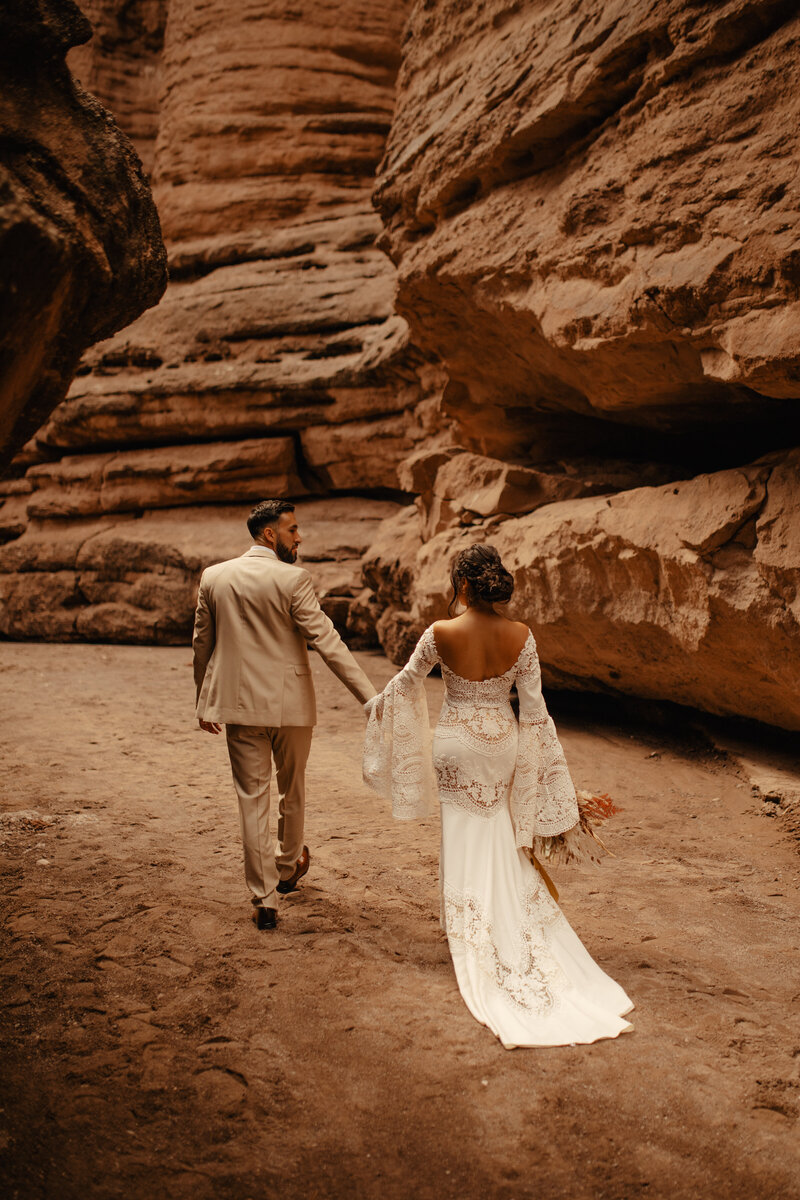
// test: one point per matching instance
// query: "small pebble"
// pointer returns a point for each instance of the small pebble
(43, 862)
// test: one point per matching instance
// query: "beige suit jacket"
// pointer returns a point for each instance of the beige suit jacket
(256, 617)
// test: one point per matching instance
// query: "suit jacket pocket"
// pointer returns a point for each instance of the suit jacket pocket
(299, 706)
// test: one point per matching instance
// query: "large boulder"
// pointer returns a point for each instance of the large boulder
(454, 487)
(81, 253)
(688, 592)
(592, 209)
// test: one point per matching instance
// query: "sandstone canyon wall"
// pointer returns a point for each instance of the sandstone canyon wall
(275, 363)
(81, 253)
(593, 209)
(592, 357)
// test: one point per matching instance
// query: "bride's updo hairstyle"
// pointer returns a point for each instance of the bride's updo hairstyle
(488, 582)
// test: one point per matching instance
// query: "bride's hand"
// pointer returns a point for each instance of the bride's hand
(374, 704)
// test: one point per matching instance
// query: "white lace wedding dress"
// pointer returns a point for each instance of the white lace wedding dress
(503, 786)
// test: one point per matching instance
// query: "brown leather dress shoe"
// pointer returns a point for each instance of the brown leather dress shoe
(265, 918)
(301, 866)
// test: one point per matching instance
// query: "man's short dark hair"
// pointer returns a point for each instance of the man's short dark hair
(267, 513)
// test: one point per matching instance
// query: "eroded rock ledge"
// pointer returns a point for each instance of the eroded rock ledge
(590, 209)
(275, 364)
(128, 577)
(81, 253)
(687, 592)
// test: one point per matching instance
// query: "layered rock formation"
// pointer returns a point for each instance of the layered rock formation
(133, 577)
(121, 65)
(591, 211)
(687, 592)
(591, 207)
(80, 248)
(275, 364)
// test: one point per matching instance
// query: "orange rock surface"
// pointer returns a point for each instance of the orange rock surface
(584, 345)
(590, 208)
(275, 364)
(80, 248)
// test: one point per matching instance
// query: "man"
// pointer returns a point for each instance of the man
(256, 616)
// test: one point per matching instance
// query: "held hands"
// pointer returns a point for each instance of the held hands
(209, 726)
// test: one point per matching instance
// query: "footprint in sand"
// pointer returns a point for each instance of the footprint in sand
(24, 923)
(205, 927)
(135, 1032)
(158, 1067)
(221, 1089)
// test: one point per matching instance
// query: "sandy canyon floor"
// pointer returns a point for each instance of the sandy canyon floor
(154, 1044)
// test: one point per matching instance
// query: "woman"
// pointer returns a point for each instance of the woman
(507, 801)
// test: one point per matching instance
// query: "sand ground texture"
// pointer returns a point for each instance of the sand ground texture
(155, 1045)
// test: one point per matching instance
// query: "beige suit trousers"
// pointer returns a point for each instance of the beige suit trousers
(251, 749)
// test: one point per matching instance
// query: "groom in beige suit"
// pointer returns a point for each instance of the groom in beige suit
(256, 617)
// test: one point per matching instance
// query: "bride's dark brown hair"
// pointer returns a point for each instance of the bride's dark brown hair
(488, 581)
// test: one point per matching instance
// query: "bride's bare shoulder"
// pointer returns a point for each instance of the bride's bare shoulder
(519, 632)
(447, 632)
(443, 628)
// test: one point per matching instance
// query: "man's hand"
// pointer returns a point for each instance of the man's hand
(209, 726)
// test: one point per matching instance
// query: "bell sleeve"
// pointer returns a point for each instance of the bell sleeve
(397, 750)
(548, 822)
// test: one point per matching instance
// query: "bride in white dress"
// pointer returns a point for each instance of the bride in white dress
(507, 802)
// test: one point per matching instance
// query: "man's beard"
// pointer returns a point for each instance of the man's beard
(285, 553)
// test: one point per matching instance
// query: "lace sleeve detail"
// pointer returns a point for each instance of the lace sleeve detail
(544, 807)
(397, 749)
(423, 659)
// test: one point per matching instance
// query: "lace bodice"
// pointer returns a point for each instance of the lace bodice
(525, 673)
(397, 759)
